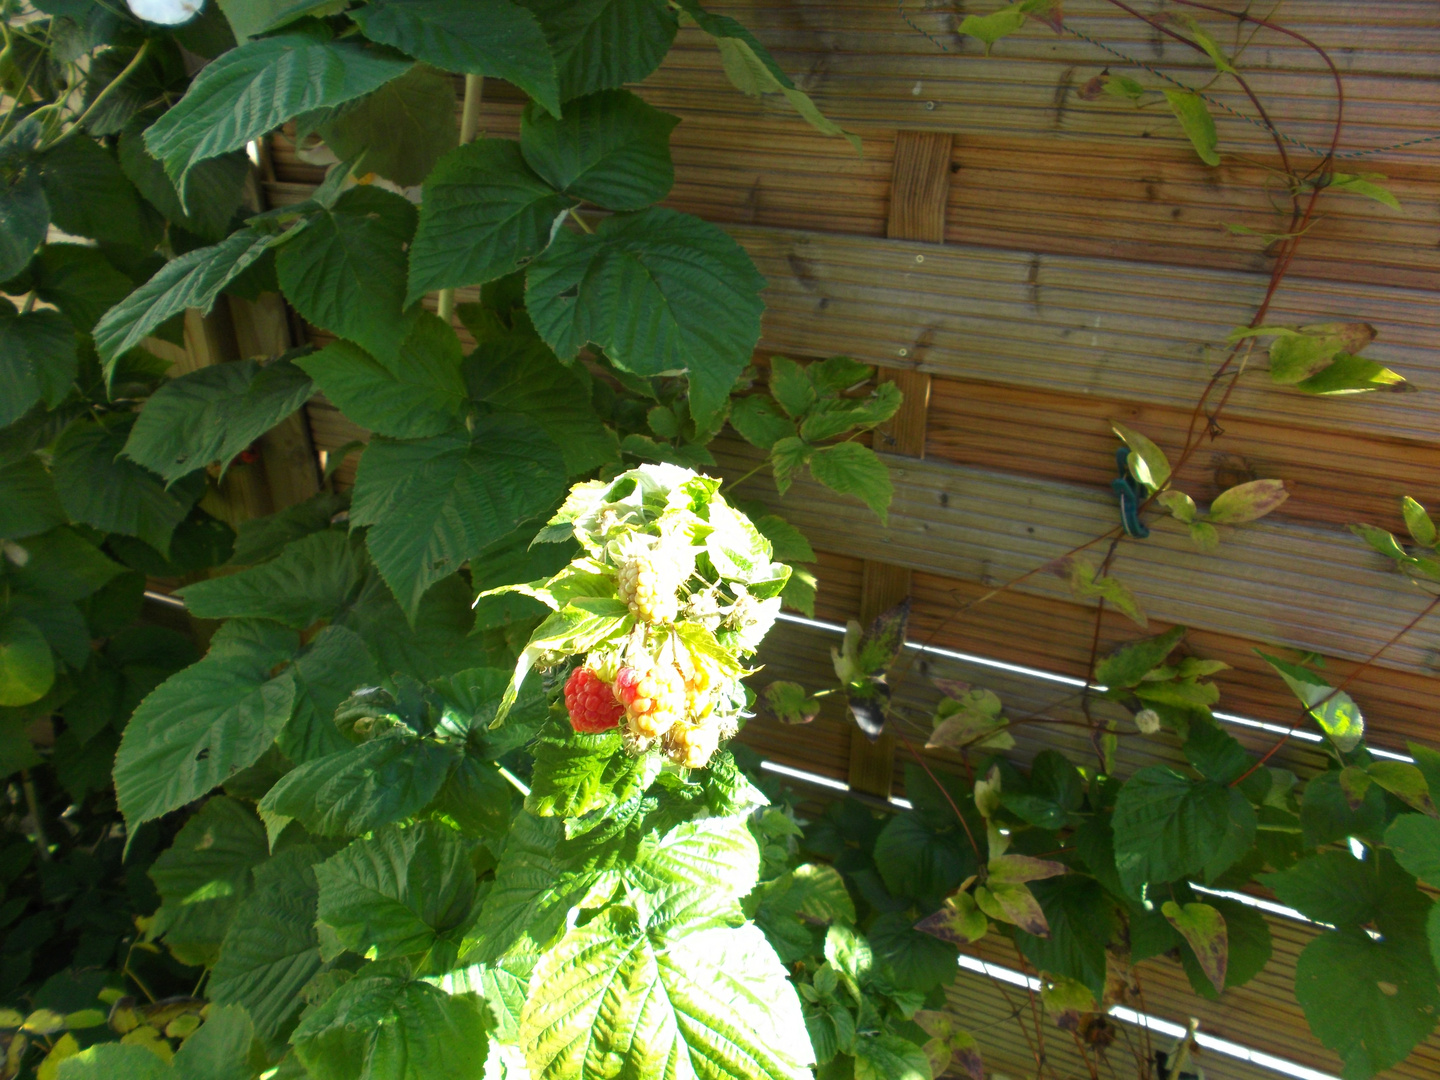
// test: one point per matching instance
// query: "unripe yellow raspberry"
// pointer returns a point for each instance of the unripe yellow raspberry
(654, 700)
(650, 586)
(691, 745)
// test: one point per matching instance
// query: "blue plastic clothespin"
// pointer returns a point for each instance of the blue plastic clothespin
(1131, 495)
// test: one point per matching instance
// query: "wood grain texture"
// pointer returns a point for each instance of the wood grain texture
(1277, 582)
(865, 66)
(1138, 332)
(1333, 480)
(920, 183)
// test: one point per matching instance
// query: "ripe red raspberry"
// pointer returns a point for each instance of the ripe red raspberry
(591, 702)
(654, 700)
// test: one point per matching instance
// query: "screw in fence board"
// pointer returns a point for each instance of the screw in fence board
(919, 189)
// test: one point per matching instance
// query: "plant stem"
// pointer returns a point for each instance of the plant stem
(469, 128)
(575, 216)
(114, 84)
(42, 842)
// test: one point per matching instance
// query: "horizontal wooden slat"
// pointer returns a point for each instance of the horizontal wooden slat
(1305, 587)
(1335, 479)
(1123, 330)
(864, 65)
(1164, 205)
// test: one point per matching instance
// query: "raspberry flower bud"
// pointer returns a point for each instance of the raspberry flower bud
(591, 702)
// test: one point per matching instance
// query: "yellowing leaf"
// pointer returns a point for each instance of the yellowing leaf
(1147, 461)
(44, 1022)
(959, 921)
(1180, 505)
(1016, 869)
(998, 24)
(1204, 930)
(1013, 904)
(1195, 119)
(1247, 502)
(65, 1047)
(151, 1040)
(1422, 528)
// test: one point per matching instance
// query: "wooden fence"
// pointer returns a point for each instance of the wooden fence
(1030, 265)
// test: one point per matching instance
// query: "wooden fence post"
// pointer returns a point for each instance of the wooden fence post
(919, 188)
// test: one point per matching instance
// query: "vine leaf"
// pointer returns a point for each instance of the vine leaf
(1349, 374)
(1418, 522)
(610, 148)
(517, 372)
(215, 186)
(213, 414)
(1195, 119)
(386, 1025)
(659, 291)
(1081, 918)
(1129, 664)
(398, 131)
(271, 949)
(604, 44)
(480, 37)
(206, 722)
(1372, 1002)
(998, 24)
(24, 219)
(89, 196)
(345, 271)
(959, 921)
(413, 391)
(101, 489)
(642, 989)
(80, 281)
(313, 578)
(1087, 583)
(28, 502)
(853, 469)
(972, 719)
(434, 503)
(1167, 826)
(889, 1057)
(1247, 502)
(1365, 184)
(27, 668)
(194, 280)
(204, 875)
(1415, 841)
(38, 360)
(400, 892)
(1334, 710)
(1203, 928)
(253, 89)
(484, 215)
(1015, 904)
(364, 787)
(753, 71)
(1147, 462)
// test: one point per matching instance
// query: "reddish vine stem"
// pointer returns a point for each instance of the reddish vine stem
(1394, 639)
(1240, 79)
(934, 780)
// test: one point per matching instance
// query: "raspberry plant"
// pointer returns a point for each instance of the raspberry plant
(373, 831)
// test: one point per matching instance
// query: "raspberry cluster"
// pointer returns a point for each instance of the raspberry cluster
(654, 700)
(650, 585)
(591, 702)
